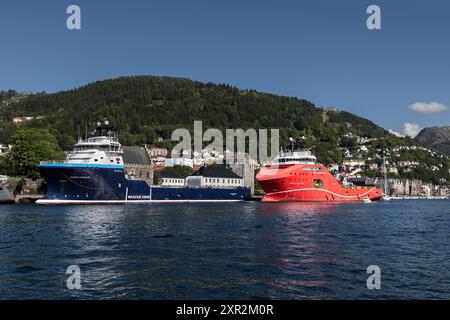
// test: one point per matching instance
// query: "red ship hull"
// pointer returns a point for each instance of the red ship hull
(309, 182)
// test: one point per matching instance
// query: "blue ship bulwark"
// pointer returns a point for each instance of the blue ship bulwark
(79, 183)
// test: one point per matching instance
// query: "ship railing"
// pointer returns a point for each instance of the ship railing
(61, 162)
(52, 162)
(196, 187)
(297, 153)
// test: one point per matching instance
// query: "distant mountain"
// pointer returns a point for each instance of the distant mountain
(437, 137)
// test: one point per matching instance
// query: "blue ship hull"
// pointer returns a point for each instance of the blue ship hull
(87, 184)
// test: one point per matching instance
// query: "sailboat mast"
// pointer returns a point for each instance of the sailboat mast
(385, 175)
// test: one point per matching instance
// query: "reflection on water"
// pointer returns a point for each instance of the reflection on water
(226, 251)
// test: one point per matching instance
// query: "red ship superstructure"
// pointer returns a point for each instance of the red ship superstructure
(295, 176)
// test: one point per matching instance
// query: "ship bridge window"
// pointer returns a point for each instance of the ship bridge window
(284, 160)
(84, 147)
(313, 168)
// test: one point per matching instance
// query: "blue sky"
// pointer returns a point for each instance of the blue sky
(316, 49)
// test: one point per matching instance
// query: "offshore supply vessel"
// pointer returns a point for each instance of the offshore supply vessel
(295, 176)
(94, 173)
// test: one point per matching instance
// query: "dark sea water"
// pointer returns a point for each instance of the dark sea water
(227, 251)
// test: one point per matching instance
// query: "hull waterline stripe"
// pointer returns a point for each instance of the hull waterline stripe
(43, 201)
(324, 190)
(80, 165)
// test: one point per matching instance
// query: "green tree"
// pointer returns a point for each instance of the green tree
(349, 143)
(66, 141)
(182, 171)
(30, 146)
(4, 166)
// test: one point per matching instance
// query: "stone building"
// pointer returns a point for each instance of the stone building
(247, 171)
(410, 188)
(138, 165)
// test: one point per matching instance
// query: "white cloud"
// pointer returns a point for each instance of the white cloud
(428, 108)
(411, 129)
(398, 134)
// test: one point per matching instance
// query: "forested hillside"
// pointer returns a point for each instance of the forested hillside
(147, 109)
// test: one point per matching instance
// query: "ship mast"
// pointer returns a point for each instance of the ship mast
(385, 176)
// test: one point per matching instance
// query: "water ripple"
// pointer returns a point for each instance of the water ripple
(226, 251)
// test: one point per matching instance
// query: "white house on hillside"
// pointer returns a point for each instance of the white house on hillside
(4, 148)
(185, 162)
